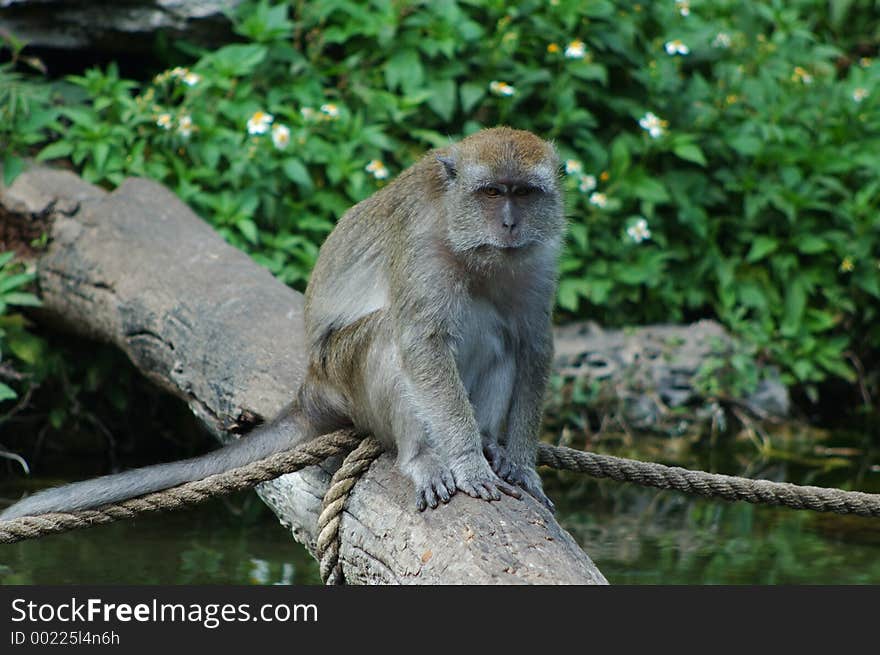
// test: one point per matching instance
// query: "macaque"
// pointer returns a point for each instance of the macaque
(428, 325)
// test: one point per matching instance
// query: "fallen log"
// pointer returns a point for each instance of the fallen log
(138, 269)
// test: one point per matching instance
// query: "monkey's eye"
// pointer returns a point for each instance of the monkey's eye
(523, 191)
(491, 191)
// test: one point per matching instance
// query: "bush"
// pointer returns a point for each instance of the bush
(722, 158)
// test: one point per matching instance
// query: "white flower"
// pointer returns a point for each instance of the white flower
(259, 123)
(639, 231)
(330, 110)
(598, 199)
(587, 183)
(577, 49)
(676, 47)
(722, 40)
(501, 88)
(185, 126)
(191, 79)
(280, 136)
(860, 94)
(377, 168)
(654, 125)
(573, 166)
(684, 7)
(164, 121)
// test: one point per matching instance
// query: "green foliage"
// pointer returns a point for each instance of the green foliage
(26, 110)
(15, 342)
(722, 158)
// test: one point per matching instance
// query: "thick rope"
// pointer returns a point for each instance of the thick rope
(328, 542)
(190, 493)
(700, 483)
(818, 499)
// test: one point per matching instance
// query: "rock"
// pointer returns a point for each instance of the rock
(650, 377)
(123, 27)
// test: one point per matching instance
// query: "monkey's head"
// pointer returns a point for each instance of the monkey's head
(501, 191)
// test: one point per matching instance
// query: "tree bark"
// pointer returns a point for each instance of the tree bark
(139, 269)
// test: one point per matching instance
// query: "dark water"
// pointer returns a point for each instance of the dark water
(635, 535)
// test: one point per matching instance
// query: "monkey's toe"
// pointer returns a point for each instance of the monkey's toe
(529, 480)
(498, 460)
(483, 484)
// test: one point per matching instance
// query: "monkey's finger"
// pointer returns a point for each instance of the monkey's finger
(443, 492)
(448, 481)
(475, 491)
(492, 490)
(510, 491)
(541, 497)
(421, 504)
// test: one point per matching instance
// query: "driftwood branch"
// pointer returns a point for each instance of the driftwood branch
(138, 269)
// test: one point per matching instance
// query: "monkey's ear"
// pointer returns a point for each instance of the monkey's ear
(448, 162)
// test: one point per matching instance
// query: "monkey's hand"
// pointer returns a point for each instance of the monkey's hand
(475, 477)
(521, 475)
(433, 481)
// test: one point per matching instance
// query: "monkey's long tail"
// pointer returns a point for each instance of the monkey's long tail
(281, 434)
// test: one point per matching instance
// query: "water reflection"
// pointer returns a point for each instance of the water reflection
(635, 535)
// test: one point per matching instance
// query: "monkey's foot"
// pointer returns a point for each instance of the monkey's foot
(527, 478)
(434, 482)
(479, 481)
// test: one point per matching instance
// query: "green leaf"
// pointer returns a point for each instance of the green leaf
(297, 172)
(7, 392)
(12, 168)
(443, 98)
(620, 157)
(471, 94)
(27, 348)
(793, 310)
(810, 244)
(55, 151)
(15, 281)
(690, 152)
(642, 186)
(590, 72)
(761, 247)
(21, 299)
(570, 291)
(746, 144)
(404, 71)
(57, 416)
(249, 229)
(82, 116)
(101, 151)
(239, 60)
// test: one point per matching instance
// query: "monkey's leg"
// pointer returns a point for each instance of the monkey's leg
(524, 419)
(490, 396)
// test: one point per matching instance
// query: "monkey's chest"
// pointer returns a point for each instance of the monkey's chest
(484, 349)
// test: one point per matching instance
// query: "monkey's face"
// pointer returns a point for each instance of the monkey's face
(506, 210)
(512, 212)
(502, 192)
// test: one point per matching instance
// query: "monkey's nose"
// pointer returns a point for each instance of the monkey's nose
(508, 224)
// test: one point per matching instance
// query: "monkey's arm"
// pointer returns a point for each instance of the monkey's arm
(440, 400)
